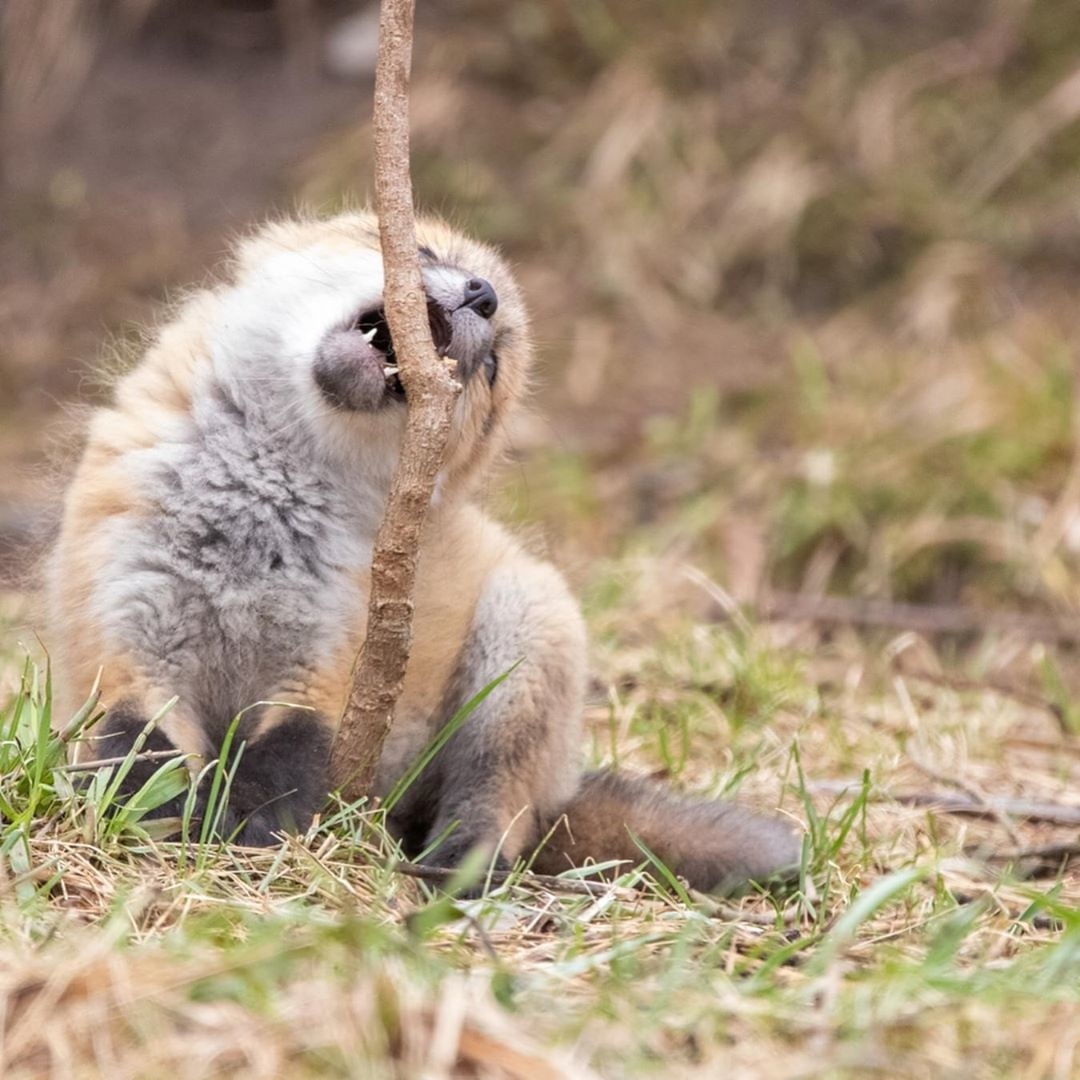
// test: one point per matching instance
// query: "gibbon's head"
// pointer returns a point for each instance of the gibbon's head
(302, 332)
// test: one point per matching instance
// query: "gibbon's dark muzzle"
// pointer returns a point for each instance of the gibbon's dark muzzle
(480, 297)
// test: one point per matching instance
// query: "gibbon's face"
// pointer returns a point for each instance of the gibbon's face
(303, 330)
(356, 365)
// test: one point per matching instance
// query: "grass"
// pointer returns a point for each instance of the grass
(914, 941)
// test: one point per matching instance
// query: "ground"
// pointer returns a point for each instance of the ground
(805, 442)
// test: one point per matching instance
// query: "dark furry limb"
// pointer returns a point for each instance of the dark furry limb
(281, 780)
(279, 783)
(117, 734)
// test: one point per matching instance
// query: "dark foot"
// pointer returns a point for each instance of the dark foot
(282, 780)
(116, 735)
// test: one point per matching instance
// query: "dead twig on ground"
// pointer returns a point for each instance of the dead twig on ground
(104, 763)
(1043, 853)
(927, 619)
(973, 793)
(963, 684)
(578, 887)
(1027, 809)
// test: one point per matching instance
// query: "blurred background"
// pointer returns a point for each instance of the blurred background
(804, 272)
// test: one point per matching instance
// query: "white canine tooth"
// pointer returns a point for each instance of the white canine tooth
(369, 335)
(389, 369)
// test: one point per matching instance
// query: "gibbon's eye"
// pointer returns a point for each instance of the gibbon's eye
(491, 367)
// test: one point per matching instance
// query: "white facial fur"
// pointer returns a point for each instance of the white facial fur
(271, 323)
(266, 336)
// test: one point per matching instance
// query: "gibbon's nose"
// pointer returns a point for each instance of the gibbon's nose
(480, 296)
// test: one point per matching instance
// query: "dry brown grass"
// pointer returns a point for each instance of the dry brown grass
(916, 939)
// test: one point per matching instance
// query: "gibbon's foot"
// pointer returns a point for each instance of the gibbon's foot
(280, 782)
(115, 736)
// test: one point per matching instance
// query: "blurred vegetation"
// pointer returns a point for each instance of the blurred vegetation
(834, 246)
(807, 268)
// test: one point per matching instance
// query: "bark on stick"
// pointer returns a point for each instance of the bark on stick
(430, 392)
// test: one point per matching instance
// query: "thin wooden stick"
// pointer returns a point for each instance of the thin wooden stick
(952, 681)
(922, 618)
(104, 763)
(972, 792)
(543, 881)
(1027, 809)
(430, 394)
(1044, 853)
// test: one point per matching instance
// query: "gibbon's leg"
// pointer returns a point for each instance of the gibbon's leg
(514, 761)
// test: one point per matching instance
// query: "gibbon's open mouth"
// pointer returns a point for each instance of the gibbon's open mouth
(372, 324)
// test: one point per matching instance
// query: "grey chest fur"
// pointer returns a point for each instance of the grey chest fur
(244, 574)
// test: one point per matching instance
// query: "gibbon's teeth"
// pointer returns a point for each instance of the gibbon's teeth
(451, 364)
(369, 335)
(389, 369)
